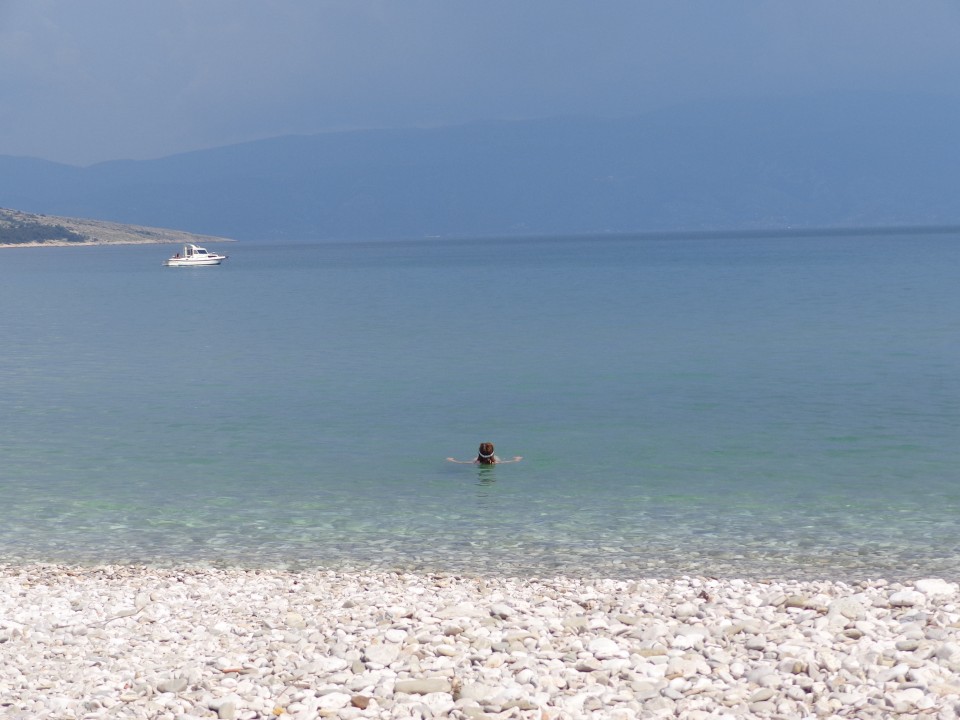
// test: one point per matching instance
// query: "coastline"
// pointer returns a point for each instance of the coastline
(87, 232)
(132, 641)
(99, 243)
(64, 243)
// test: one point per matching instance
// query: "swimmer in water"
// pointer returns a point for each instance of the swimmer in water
(485, 457)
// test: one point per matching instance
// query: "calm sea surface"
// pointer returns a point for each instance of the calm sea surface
(754, 407)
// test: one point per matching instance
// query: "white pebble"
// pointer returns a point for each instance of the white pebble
(333, 701)
(906, 598)
(603, 648)
(936, 587)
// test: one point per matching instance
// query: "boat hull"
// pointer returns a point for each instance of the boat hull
(189, 262)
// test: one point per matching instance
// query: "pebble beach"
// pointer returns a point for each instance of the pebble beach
(138, 642)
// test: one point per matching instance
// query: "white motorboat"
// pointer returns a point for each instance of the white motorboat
(194, 256)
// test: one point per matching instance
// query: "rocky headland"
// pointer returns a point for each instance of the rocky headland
(21, 229)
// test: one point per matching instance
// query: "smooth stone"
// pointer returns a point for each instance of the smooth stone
(684, 611)
(907, 645)
(603, 648)
(936, 587)
(440, 703)
(762, 709)
(906, 598)
(475, 713)
(910, 696)
(227, 711)
(588, 664)
(948, 651)
(685, 642)
(477, 691)
(501, 610)
(759, 675)
(422, 686)
(295, 620)
(461, 610)
(383, 654)
(574, 623)
(761, 695)
(848, 608)
(334, 701)
(173, 685)
(687, 666)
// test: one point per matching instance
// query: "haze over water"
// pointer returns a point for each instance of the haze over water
(737, 406)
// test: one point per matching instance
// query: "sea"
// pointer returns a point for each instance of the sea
(736, 405)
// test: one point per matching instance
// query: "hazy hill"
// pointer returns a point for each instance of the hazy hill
(839, 161)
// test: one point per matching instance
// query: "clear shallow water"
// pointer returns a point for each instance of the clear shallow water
(751, 407)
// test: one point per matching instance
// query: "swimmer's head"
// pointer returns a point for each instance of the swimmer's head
(485, 456)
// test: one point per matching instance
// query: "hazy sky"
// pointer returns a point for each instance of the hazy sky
(82, 82)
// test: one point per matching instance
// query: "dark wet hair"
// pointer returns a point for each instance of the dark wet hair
(485, 456)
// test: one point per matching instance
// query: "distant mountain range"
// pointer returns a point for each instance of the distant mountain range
(842, 161)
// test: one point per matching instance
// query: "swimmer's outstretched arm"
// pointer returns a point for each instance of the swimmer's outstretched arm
(461, 462)
(516, 458)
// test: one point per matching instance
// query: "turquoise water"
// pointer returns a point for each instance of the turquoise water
(752, 407)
